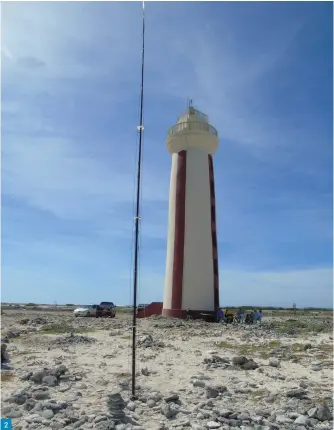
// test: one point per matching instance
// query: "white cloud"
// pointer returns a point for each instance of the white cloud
(79, 56)
(311, 287)
(45, 163)
(306, 287)
(218, 81)
(7, 54)
(237, 287)
(63, 35)
(54, 175)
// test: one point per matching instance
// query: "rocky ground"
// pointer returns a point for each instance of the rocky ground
(60, 372)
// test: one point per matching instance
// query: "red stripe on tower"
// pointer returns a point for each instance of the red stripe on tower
(180, 211)
(214, 235)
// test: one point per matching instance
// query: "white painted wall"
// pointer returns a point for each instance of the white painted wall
(170, 237)
(187, 139)
(198, 293)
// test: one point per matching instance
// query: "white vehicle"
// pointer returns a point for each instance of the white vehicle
(85, 311)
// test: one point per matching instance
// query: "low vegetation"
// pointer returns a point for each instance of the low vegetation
(7, 377)
(225, 345)
(294, 352)
(297, 327)
(250, 350)
(62, 328)
(258, 393)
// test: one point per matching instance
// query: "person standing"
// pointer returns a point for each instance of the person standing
(255, 315)
(219, 315)
(229, 316)
(260, 315)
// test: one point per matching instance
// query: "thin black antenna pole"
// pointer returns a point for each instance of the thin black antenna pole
(137, 217)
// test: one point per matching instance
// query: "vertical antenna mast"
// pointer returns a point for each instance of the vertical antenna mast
(189, 102)
(137, 217)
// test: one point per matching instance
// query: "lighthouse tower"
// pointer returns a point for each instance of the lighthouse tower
(191, 281)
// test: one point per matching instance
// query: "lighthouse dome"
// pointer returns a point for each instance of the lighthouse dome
(192, 130)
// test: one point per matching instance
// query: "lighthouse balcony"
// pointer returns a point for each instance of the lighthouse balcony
(192, 126)
(192, 134)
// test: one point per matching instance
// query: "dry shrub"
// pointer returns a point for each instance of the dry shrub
(7, 377)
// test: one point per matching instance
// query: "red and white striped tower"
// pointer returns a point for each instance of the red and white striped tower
(192, 281)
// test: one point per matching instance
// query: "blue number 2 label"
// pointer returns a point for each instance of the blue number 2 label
(6, 424)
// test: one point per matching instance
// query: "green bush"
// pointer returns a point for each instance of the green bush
(54, 328)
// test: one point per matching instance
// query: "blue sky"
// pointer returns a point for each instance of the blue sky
(70, 106)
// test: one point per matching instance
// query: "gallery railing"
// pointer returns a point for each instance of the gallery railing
(194, 126)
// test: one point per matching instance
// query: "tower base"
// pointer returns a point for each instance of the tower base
(209, 316)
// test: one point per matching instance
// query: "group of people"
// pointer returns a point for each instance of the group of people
(240, 317)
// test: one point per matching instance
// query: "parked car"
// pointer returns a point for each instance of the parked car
(106, 309)
(86, 311)
(107, 305)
